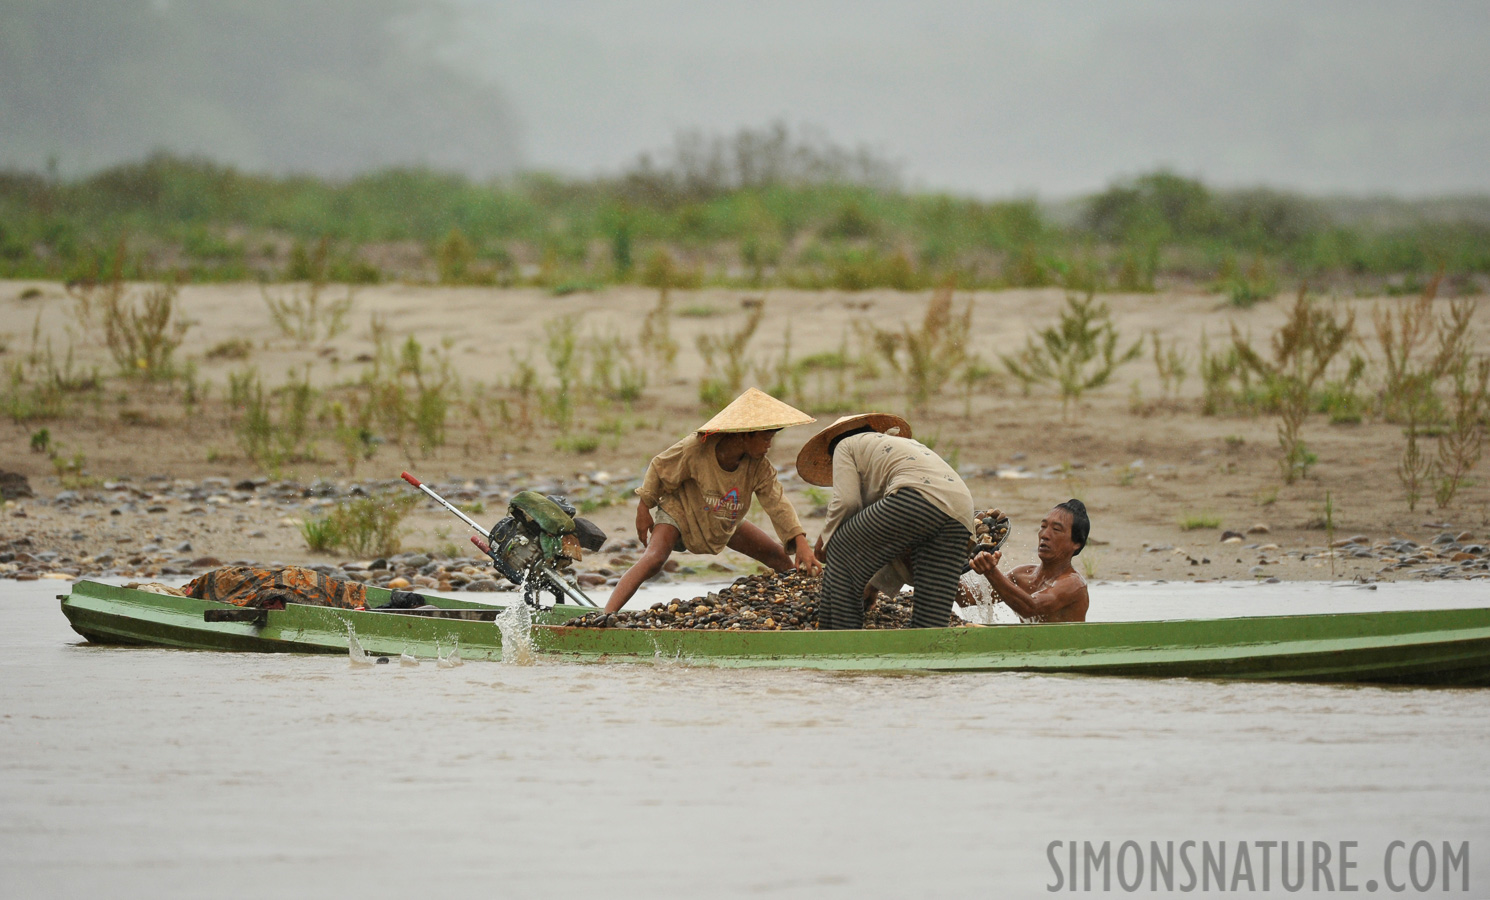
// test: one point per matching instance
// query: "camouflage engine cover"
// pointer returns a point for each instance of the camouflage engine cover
(545, 513)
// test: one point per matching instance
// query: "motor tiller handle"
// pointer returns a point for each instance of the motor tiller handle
(445, 503)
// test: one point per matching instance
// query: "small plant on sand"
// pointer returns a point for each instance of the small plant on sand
(1302, 351)
(367, 526)
(1172, 364)
(560, 348)
(454, 256)
(656, 337)
(725, 364)
(1462, 443)
(233, 348)
(929, 357)
(1329, 529)
(303, 316)
(615, 374)
(320, 535)
(142, 338)
(1246, 289)
(1409, 396)
(273, 428)
(580, 444)
(1196, 521)
(1079, 352)
(408, 389)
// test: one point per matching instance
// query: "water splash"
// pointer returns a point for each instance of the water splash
(453, 660)
(516, 625)
(355, 653)
(664, 658)
(988, 611)
(407, 659)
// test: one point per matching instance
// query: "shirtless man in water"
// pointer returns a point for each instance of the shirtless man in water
(1051, 591)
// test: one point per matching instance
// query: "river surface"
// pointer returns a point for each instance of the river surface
(167, 773)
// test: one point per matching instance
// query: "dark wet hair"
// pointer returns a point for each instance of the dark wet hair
(1081, 526)
(833, 444)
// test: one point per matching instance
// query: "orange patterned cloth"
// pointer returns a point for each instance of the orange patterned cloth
(273, 588)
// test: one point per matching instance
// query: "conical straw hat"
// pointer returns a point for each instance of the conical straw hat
(815, 463)
(755, 410)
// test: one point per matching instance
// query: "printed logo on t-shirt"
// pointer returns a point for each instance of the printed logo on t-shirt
(726, 507)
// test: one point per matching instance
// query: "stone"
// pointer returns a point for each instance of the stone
(484, 584)
(1231, 537)
(1463, 536)
(14, 486)
(399, 584)
(591, 579)
(1259, 528)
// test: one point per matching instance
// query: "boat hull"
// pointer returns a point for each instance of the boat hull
(1450, 647)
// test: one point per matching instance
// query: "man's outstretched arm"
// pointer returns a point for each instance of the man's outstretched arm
(1041, 604)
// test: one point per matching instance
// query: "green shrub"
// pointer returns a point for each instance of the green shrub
(367, 526)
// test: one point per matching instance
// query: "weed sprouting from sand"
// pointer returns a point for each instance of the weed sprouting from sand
(1172, 364)
(560, 348)
(580, 444)
(1410, 388)
(975, 374)
(1196, 521)
(615, 373)
(367, 526)
(232, 348)
(454, 256)
(656, 336)
(725, 362)
(1329, 529)
(928, 357)
(1302, 351)
(1079, 353)
(1462, 443)
(1246, 289)
(320, 535)
(302, 316)
(273, 428)
(143, 338)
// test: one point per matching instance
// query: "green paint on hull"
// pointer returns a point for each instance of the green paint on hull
(1420, 647)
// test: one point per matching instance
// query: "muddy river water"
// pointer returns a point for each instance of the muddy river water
(160, 773)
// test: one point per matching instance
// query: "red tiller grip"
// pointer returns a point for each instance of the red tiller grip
(412, 480)
(481, 545)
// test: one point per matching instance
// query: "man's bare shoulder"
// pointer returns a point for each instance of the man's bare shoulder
(1024, 576)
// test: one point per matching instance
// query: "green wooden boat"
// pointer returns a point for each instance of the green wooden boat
(1421, 647)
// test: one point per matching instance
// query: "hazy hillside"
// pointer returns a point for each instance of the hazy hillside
(333, 87)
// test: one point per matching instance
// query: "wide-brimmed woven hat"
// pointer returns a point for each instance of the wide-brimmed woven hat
(815, 463)
(755, 410)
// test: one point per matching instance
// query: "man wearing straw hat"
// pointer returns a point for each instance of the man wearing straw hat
(696, 493)
(892, 498)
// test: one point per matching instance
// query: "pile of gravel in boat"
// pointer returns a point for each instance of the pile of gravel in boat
(786, 602)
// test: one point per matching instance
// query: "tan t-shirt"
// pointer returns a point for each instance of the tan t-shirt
(870, 467)
(709, 503)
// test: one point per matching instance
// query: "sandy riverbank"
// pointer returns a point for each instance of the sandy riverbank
(162, 474)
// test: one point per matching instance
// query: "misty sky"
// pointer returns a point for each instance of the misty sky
(988, 98)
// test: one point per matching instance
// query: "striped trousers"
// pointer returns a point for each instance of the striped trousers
(904, 522)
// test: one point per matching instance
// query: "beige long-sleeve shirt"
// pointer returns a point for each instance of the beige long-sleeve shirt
(708, 502)
(870, 467)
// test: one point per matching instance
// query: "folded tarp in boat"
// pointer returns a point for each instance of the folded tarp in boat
(273, 588)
